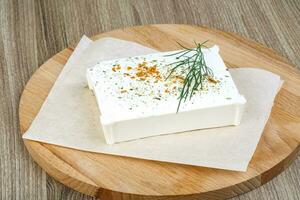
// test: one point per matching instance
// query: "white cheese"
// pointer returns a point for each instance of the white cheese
(136, 100)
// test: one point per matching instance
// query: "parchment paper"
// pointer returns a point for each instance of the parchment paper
(69, 117)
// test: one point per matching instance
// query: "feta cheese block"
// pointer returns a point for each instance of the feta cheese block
(137, 100)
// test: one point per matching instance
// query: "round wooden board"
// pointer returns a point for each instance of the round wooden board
(115, 177)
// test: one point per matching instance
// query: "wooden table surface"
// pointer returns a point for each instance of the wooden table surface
(33, 31)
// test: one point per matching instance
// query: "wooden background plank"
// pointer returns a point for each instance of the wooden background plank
(33, 31)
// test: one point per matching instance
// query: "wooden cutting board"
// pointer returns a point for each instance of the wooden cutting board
(116, 177)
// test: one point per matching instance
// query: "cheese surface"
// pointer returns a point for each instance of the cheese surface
(136, 99)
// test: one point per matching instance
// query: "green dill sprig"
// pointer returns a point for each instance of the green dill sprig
(194, 64)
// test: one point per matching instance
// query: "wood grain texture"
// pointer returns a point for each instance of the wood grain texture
(113, 177)
(33, 31)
